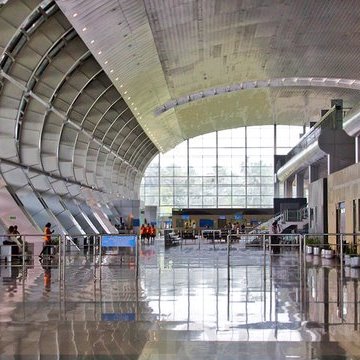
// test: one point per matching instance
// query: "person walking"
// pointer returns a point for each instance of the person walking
(47, 241)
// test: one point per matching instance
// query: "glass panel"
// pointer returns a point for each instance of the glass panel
(209, 201)
(254, 180)
(253, 201)
(253, 190)
(152, 181)
(180, 201)
(152, 191)
(166, 171)
(180, 180)
(254, 170)
(180, 190)
(224, 190)
(195, 180)
(224, 201)
(209, 180)
(238, 180)
(238, 201)
(267, 201)
(238, 190)
(224, 180)
(166, 200)
(195, 190)
(195, 201)
(209, 190)
(152, 200)
(166, 180)
(180, 171)
(166, 190)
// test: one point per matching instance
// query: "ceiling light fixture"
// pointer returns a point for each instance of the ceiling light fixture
(92, 41)
(84, 28)
(100, 52)
(75, 14)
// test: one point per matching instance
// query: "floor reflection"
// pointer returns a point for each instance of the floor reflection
(186, 304)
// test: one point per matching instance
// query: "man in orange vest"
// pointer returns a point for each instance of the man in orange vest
(47, 241)
(152, 233)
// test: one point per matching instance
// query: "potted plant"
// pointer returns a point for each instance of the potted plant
(354, 258)
(327, 252)
(309, 246)
(315, 243)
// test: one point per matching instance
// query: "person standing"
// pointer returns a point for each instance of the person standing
(148, 233)
(143, 233)
(275, 240)
(152, 233)
(47, 241)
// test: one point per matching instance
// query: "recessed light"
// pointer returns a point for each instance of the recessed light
(92, 41)
(135, 108)
(100, 52)
(140, 117)
(84, 28)
(75, 15)
(111, 70)
(105, 62)
(132, 104)
(138, 113)
(129, 98)
(117, 80)
(121, 84)
(125, 92)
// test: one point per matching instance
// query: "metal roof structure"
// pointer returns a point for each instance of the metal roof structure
(92, 90)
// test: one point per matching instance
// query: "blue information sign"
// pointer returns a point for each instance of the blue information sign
(119, 241)
(118, 317)
(136, 222)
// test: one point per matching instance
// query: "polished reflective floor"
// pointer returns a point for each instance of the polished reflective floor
(189, 302)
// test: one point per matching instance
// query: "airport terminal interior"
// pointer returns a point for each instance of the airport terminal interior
(179, 179)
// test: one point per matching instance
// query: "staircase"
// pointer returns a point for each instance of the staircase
(287, 220)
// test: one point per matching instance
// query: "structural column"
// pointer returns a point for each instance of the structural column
(313, 173)
(299, 179)
(288, 187)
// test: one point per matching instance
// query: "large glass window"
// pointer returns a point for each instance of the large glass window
(229, 168)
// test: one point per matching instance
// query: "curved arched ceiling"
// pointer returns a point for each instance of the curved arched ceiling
(160, 53)
(61, 117)
(91, 91)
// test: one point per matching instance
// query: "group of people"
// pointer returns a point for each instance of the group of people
(236, 227)
(148, 233)
(14, 240)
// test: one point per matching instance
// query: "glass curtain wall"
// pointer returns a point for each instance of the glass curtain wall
(226, 169)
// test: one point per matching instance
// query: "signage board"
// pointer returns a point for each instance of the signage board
(119, 241)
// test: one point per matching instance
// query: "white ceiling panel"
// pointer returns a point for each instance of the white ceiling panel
(162, 52)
